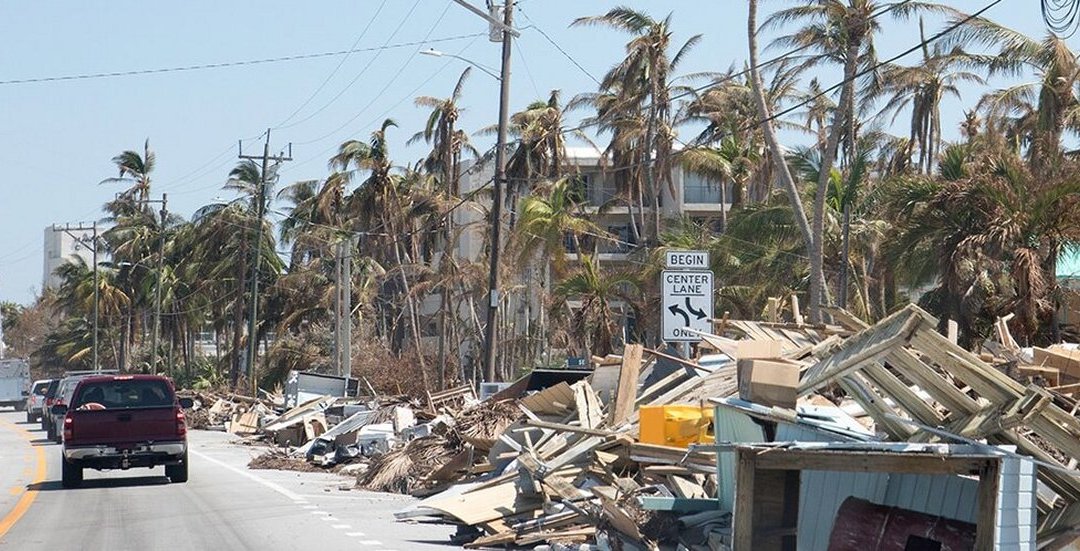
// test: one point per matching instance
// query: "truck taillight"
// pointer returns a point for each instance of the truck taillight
(69, 427)
(181, 425)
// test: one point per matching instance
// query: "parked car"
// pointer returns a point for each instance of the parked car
(50, 399)
(35, 403)
(123, 421)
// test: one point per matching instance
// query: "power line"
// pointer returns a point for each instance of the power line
(806, 101)
(383, 90)
(182, 68)
(337, 67)
(1060, 16)
(361, 73)
(534, 26)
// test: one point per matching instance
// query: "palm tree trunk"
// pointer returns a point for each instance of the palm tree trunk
(650, 171)
(238, 321)
(809, 236)
(843, 125)
(414, 318)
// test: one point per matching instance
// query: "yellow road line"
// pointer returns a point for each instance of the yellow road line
(27, 498)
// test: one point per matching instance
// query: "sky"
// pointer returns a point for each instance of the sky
(58, 136)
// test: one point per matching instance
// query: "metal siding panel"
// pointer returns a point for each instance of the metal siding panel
(820, 496)
(734, 427)
(940, 495)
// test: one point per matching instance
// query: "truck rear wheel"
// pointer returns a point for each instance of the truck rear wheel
(30, 417)
(71, 476)
(50, 431)
(178, 473)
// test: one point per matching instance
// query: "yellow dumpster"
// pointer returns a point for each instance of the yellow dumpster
(676, 425)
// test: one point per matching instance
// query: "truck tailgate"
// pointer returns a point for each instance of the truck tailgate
(122, 426)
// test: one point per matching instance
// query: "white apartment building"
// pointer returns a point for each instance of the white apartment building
(63, 246)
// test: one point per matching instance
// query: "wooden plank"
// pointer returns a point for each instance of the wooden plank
(869, 462)
(986, 505)
(772, 309)
(864, 346)
(795, 314)
(486, 504)
(902, 395)
(587, 404)
(941, 390)
(623, 404)
(679, 504)
(568, 428)
(554, 400)
(684, 488)
(743, 513)
(575, 534)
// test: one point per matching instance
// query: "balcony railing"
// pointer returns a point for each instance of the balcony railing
(702, 193)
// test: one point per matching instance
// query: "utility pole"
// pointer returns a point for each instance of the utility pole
(497, 197)
(260, 212)
(337, 306)
(157, 285)
(93, 244)
(348, 246)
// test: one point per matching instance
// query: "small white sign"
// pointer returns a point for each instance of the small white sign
(686, 260)
(687, 304)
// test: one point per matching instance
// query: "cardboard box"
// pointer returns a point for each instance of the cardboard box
(769, 382)
(754, 349)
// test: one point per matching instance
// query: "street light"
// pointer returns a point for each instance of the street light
(436, 53)
(506, 26)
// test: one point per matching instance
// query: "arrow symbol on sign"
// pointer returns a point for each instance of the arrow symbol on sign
(699, 313)
(675, 310)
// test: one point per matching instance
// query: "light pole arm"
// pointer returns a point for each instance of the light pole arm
(499, 24)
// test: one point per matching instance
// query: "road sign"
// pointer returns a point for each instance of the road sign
(686, 260)
(687, 304)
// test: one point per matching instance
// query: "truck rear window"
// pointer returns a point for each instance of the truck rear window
(122, 394)
(41, 388)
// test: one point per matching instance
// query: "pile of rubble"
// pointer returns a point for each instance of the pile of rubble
(780, 435)
(790, 434)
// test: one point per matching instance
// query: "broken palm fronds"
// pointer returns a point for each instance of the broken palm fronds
(482, 424)
(279, 459)
(197, 419)
(404, 469)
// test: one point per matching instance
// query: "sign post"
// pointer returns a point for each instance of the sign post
(687, 296)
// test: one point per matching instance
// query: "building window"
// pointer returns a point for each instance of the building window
(700, 190)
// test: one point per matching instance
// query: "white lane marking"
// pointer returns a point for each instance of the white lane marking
(370, 542)
(319, 513)
(310, 506)
(327, 518)
(342, 526)
(275, 487)
(355, 534)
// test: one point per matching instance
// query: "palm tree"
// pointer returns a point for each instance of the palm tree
(922, 88)
(135, 172)
(811, 236)
(1042, 110)
(383, 197)
(548, 219)
(841, 32)
(641, 84)
(447, 144)
(593, 322)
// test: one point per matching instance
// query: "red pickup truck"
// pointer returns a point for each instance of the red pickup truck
(124, 421)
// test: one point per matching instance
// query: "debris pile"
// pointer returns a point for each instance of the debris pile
(649, 450)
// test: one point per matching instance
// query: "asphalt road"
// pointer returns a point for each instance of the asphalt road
(222, 506)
